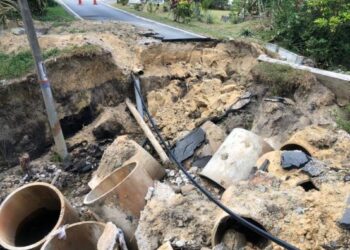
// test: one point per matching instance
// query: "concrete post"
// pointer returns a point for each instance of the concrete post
(60, 144)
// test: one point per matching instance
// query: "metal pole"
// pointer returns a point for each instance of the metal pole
(137, 95)
(56, 130)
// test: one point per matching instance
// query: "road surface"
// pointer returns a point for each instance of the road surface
(102, 11)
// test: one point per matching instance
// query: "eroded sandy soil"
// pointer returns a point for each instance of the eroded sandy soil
(184, 85)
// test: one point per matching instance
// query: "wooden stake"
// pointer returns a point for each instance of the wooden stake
(163, 156)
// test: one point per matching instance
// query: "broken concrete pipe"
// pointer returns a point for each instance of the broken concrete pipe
(290, 178)
(140, 157)
(81, 235)
(232, 235)
(235, 158)
(31, 213)
(296, 142)
(120, 197)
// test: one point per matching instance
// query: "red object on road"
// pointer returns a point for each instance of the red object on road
(80, 2)
(95, 2)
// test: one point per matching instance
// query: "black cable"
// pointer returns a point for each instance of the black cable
(234, 216)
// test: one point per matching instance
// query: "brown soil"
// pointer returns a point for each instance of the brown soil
(185, 84)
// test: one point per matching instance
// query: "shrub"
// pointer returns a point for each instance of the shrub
(138, 6)
(124, 2)
(209, 19)
(316, 28)
(8, 10)
(182, 11)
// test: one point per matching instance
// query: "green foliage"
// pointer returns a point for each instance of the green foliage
(209, 19)
(246, 32)
(316, 28)
(43, 10)
(343, 118)
(124, 2)
(281, 79)
(205, 4)
(183, 11)
(219, 4)
(8, 10)
(138, 6)
(18, 64)
(15, 65)
(57, 15)
(55, 157)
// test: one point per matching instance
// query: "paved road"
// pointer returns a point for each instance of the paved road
(102, 11)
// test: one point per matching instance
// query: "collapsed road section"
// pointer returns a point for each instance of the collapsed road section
(261, 139)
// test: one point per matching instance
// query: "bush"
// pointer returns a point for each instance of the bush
(124, 2)
(316, 28)
(182, 12)
(209, 19)
(8, 10)
(138, 6)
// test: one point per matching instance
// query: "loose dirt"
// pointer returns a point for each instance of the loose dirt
(185, 84)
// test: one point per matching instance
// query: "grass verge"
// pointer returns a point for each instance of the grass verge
(15, 65)
(218, 29)
(57, 15)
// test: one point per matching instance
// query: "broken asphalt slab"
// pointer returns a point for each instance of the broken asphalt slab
(185, 147)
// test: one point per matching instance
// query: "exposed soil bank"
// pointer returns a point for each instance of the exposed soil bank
(185, 84)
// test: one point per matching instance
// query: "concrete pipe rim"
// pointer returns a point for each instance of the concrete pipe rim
(221, 225)
(59, 219)
(77, 224)
(88, 200)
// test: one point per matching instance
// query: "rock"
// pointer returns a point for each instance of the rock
(166, 246)
(180, 243)
(345, 220)
(114, 121)
(214, 135)
(18, 31)
(314, 168)
(201, 162)
(187, 188)
(294, 159)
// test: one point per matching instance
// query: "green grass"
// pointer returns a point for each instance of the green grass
(343, 118)
(15, 65)
(57, 15)
(281, 79)
(218, 29)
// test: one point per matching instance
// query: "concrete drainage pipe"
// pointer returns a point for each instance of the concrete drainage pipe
(81, 235)
(120, 197)
(31, 213)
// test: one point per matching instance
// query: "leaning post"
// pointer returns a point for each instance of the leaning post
(56, 130)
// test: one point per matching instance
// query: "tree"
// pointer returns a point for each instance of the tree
(316, 28)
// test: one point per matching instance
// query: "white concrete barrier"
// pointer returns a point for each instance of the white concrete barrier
(338, 83)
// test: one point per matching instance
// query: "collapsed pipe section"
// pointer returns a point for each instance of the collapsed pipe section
(235, 158)
(120, 197)
(31, 213)
(82, 235)
(140, 157)
(235, 236)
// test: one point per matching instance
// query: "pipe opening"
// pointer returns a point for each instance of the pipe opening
(28, 215)
(233, 235)
(308, 186)
(82, 235)
(109, 183)
(291, 147)
(74, 123)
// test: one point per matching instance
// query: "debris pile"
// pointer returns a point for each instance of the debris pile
(279, 162)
